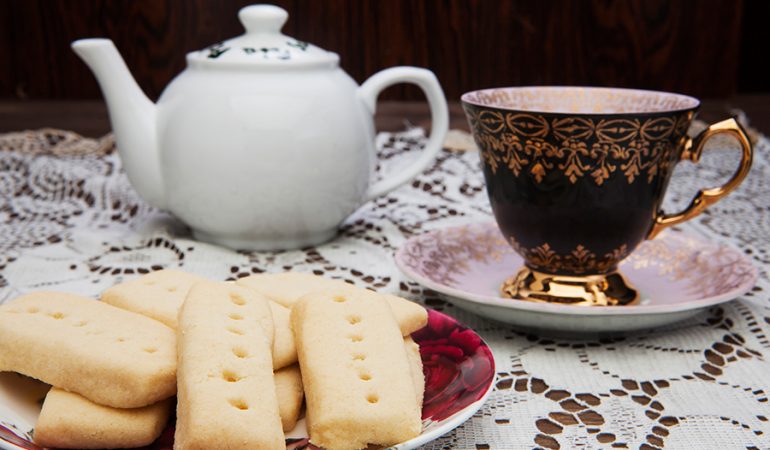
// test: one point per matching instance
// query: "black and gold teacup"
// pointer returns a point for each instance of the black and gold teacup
(576, 177)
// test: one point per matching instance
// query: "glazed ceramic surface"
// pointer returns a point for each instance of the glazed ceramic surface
(263, 142)
(458, 365)
(576, 175)
(678, 276)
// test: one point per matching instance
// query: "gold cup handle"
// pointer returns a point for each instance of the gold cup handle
(705, 198)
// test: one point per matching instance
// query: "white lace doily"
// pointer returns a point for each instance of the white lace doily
(70, 221)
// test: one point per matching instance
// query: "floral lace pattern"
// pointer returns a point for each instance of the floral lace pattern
(70, 221)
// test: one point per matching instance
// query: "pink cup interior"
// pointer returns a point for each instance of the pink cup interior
(580, 100)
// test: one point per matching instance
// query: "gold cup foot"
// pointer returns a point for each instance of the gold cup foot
(610, 289)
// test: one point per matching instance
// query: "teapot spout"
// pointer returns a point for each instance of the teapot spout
(132, 115)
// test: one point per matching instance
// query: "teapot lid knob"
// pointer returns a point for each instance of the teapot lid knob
(262, 45)
(263, 18)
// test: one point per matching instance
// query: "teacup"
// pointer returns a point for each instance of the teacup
(576, 177)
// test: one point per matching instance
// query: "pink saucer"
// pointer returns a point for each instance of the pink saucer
(676, 274)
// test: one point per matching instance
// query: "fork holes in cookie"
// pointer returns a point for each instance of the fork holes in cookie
(354, 319)
(339, 299)
(171, 289)
(230, 377)
(150, 349)
(57, 315)
(33, 310)
(80, 323)
(237, 299)
(239, 403)
(372, 398)
(240, 352)
(359, 357)
(235, 330)
(364, 376)
(235, 316)
(356, 338)
(120, 339)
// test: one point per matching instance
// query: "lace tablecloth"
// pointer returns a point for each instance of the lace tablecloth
(70, 221)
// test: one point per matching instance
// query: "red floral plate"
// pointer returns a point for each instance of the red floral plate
(458, 365)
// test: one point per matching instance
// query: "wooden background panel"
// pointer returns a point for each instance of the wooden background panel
(470, 44)
(6, 63)
(753, 69)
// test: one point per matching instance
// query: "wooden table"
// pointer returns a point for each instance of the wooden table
(89, 117)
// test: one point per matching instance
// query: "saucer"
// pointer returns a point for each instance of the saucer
(677, 276)
(458, 365)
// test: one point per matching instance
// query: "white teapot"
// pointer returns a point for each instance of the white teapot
(263, 142)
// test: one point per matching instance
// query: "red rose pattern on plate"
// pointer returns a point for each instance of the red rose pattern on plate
(458, 366)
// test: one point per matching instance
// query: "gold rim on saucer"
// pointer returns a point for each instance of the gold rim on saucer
(611, 289)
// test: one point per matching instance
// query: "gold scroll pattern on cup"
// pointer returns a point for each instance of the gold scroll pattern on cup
(577, 146)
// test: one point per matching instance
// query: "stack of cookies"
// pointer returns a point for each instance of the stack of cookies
(239, 356)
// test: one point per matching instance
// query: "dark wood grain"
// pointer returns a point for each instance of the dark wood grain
(690, 47)
(6, 81)
(89, 117)
(753, 69)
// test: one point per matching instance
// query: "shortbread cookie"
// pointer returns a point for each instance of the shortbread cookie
(288, 388)
(226, 397)
(110, 356)
(415, 366)
(284, 350)
(160, 294)
(157, 295)
(69, 420)
(358, 384)
(286, 288)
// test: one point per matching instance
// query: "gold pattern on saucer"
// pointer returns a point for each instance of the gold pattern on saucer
(443, 257)
(702, 270)
(610, 289)
(578, 261)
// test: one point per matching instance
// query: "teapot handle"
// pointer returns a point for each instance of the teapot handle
(425, 80)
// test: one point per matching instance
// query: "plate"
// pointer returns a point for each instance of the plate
(459, 372)
(677, 275)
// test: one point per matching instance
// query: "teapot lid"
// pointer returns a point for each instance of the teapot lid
(263, 44)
